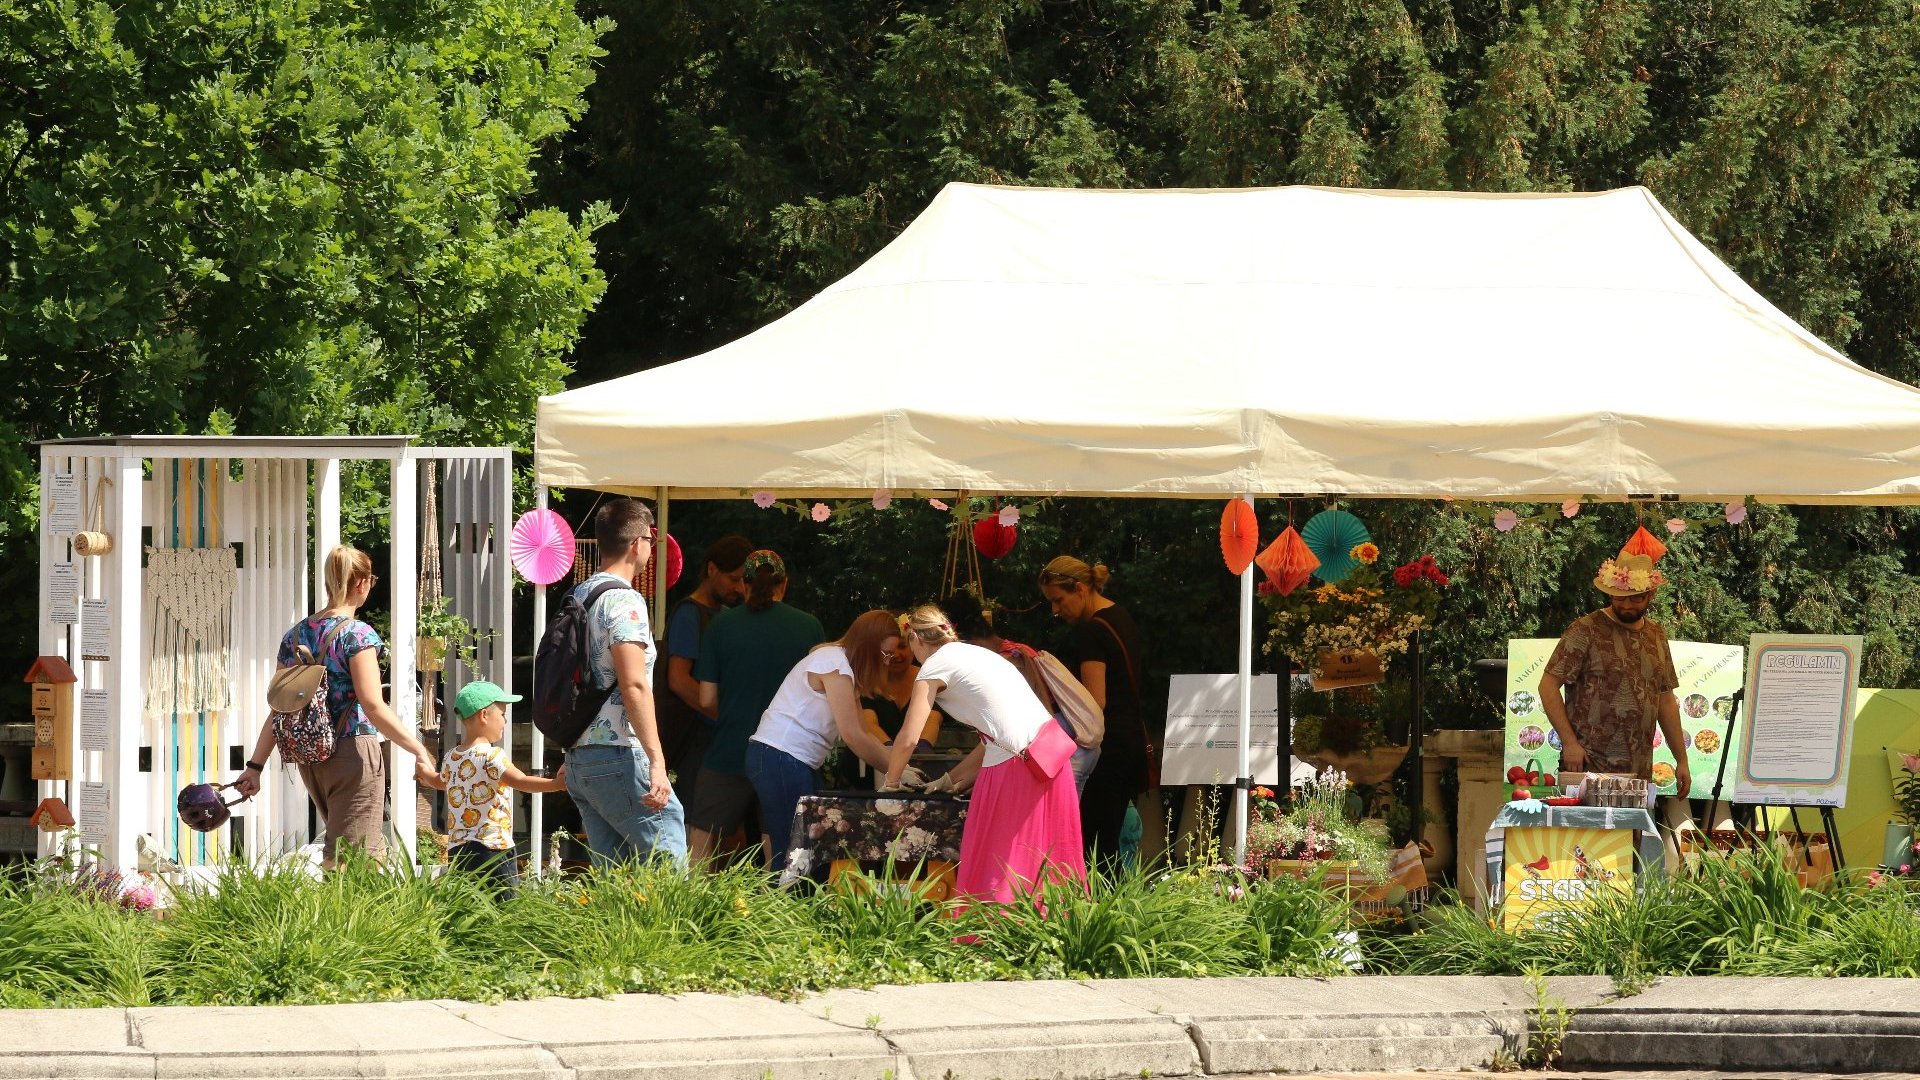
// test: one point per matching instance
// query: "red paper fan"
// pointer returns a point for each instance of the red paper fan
(1645, 543)
(1239, 535)
(675, 563)
(1287, 562)
(992, 538)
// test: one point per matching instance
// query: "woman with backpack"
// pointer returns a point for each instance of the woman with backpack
(1023, 824)
(348, 787)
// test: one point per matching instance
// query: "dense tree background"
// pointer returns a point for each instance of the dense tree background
(322, 218)
(288, 217)
(758, 150)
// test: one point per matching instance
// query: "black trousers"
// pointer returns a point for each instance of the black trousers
(500, 868)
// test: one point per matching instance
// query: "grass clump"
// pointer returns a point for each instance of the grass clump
(371, 934)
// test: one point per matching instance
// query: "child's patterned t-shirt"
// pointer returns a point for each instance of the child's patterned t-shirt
(479, 806)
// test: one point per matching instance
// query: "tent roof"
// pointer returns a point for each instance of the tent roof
(1279, 340)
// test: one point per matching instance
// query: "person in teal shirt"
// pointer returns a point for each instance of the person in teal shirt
(746, 653)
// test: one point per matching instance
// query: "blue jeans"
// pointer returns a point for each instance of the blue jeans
(1083, 759)
(607, 783)
(780, 779)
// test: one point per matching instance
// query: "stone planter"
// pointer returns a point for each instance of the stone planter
(1362, 767)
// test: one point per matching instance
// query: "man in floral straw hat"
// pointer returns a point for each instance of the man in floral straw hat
(1618, 675)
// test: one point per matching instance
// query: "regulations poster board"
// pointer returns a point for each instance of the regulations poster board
(1551, 872)
(1203, 730)
(1794, 744)
(1709, 675)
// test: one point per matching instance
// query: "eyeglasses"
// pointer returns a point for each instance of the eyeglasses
(888, 654)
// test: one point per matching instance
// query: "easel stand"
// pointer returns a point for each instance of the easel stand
(1827, 824)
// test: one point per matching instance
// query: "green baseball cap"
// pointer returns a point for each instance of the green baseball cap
(478, 695)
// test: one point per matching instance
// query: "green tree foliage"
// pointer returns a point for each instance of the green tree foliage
(759, 150)
(283, 217)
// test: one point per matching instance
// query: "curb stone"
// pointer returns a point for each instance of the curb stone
(1062, 1030)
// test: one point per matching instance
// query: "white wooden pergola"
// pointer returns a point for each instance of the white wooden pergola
(276, 502)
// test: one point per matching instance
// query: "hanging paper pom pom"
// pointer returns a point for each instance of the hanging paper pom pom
(1288, 562)
(1736, 512)
(1676, 526)
(1645, 543)
(992, 538)
(676, 562)
(1239, 535)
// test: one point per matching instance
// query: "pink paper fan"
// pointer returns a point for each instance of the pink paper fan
(541, 546)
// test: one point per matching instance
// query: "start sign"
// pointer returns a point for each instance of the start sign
(1551, 872)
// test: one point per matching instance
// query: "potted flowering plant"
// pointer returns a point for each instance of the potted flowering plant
(1898, 849)
(1316, 831)
(1362, 615)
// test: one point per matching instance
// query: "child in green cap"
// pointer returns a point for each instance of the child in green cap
(478, 775)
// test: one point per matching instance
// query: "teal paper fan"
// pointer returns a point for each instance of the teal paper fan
(1332, 535)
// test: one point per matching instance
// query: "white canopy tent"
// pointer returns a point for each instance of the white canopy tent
(1241, 342)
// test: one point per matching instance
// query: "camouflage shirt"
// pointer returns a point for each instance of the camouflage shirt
(1615, 676)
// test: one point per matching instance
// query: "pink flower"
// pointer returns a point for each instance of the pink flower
(1736, 512)
(821, 511)
(1570, 508)
(882, 499)
(1910, 762)
(1009, 515)
(938, 505)
(763, 499)
(1875, 877)
(1676, 526)
(1505, 520)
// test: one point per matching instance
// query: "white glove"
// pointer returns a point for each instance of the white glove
(944, 782)
(912, 779)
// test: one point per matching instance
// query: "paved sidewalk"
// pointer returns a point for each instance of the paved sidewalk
(1375, 1026)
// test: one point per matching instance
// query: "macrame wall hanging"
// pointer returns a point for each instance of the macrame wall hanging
(189, 629)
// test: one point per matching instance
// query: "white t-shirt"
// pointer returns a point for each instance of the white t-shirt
(987, 693)
(799, 720)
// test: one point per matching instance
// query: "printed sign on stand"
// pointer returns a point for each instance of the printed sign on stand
(1800, 702)
(1710, 675)
(1203, 730)
(1553, 872)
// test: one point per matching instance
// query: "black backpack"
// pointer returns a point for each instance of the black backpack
(564, 702)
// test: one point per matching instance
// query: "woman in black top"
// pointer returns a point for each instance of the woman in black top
(1105, 654)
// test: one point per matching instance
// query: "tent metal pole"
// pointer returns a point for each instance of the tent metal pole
(660, 571)
(536, 831)
(1243, 780)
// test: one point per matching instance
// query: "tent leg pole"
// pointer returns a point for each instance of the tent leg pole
(660, 570)
(536, 831)
(1243, 780)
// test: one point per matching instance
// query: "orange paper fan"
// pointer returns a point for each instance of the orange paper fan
(1239, 535)
(1287, 562)
(1645, 543)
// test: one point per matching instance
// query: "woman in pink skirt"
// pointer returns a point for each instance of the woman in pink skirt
(1023, 825)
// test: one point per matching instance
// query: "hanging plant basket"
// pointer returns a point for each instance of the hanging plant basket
(1361, 766)
(430, 654)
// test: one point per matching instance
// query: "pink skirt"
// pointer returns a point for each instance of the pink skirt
(1018, 828)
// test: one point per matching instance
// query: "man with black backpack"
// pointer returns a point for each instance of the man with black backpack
(616, 772)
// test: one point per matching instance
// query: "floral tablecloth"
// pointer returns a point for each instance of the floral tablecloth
(871, 828)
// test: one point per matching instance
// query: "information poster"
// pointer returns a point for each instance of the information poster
(95, 812)
(1710, 675)
(63, 504)
(1203, 730)
(96, 720)
(96, 630)
(63, 594)
(1553, 872)
(1800, 699)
